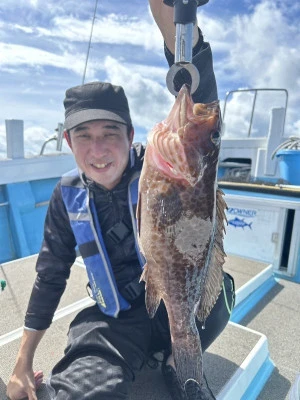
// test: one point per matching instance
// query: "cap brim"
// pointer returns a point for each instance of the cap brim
(82, 116)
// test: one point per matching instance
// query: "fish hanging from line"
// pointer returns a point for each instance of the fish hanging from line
(181, 216)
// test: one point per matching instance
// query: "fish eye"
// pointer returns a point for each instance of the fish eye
(215, 137)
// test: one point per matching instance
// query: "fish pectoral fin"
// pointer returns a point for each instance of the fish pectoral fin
(152, 299)
(152, 296)
(138, 214)
(213, 281)
(144, 274)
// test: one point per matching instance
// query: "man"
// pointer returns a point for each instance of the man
(110, 340)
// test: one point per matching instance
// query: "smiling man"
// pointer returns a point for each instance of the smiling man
(99, 131)
(93, 207)
(99, 148)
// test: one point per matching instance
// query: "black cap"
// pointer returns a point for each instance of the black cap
(95, 100)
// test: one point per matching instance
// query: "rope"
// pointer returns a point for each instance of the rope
(293, 143)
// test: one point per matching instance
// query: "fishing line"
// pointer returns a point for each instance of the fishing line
(229, 309)
(90, 41)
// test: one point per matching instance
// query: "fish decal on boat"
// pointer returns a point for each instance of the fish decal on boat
(181, 216)
(239, 223)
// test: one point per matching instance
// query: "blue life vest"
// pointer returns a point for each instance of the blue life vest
(82, 213)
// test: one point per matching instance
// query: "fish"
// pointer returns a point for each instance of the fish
(239, 223)
(181, 225)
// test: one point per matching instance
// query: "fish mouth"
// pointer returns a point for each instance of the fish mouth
(171, 153)
(182, 143)
(181, 112)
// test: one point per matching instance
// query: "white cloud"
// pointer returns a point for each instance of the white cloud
(296, 128)
(59, 44)
(113, 29)
(266, 49)
(215, 30)
(110, 29)
(261, 51)
(25, 29)
(13, 55)
(149, 101)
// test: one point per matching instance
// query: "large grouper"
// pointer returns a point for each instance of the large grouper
(181, 217)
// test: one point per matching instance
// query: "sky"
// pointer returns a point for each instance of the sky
(44, 44)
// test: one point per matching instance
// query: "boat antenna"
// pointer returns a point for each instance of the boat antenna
(89, 46)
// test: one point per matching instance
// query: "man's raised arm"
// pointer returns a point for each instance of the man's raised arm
(202, 56)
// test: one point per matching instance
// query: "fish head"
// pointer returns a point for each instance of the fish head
(187, 142)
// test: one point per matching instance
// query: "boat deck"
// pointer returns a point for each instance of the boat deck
(226, 360)
(277, 316)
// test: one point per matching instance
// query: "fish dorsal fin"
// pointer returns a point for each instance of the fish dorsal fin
(214, 277)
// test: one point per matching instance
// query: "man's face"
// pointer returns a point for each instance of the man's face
(101, 150)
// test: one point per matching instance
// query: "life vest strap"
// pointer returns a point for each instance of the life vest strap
(133, 289)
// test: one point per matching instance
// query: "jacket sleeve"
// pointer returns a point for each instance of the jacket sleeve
(202, 59)
(55, 259)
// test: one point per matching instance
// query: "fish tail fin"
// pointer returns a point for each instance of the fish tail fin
(189, 369)
(188, 360)
(194, 391)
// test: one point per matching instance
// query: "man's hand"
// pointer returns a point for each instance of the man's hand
(23, 383)
(164, 16)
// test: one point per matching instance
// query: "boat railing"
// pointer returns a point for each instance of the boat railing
(58, 137)
(255, 91)
(251, 140)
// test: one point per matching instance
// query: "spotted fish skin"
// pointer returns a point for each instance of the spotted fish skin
(181, 225)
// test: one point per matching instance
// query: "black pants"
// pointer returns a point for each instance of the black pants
(103, 352)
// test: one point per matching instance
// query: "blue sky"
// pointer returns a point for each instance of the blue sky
(43, 48)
